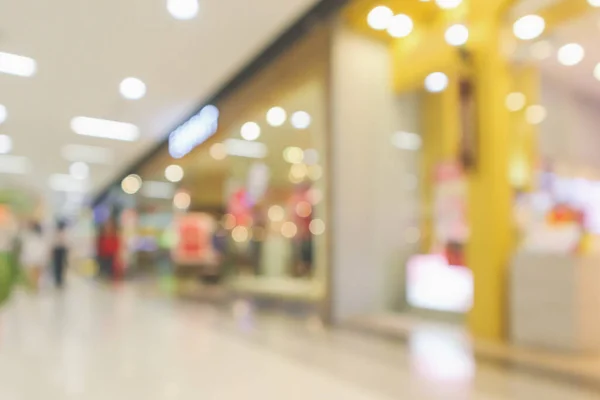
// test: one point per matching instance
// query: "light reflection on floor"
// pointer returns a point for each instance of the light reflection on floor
(96, 343)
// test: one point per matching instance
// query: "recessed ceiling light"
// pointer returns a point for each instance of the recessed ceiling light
(79, 170)
(250, 131)
(105, 129)
(132, 88)
(380, 17)
(183, 9)
(131, 184)
(448, 4)
(301, 120)
(436, 82)
(3, 113)
(218, 151)
(597, 72)
(88, 154)
(317, 227)
(276, 116)
(182, 201)
(571, 54)
(515, 101)
(5, 144)
(529, 27)
(400, 26)
(457, 35)
(535, 114)
(293, 155)
(174, 173)
(17, 65)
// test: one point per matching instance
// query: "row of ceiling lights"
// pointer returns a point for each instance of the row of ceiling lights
(401, 25)
(528, 27)
(276, 117)
(131, 88)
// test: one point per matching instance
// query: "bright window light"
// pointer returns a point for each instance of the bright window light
(243, 148)
(183, 9)
(105, 129)
(380, 17)
(79, 170)
(400, 26)
(276, 116)
(132, 88)
(250, 131)
(571, 54)
(301, 120)
(174, 173)
(17, 65)
(594, 3)
(3, 113)
(448, 4)
(13, 165)
(131, 184)
(436, 82)
(88, 154)
(5, 144)
(529, 27)
(457, 35)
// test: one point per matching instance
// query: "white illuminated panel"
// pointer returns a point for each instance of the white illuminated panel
(244, 148)
(105, 129)
(434, 285)
(88, 154)
(194, 132)
(158, 190)
(13, 164)
(17, 65)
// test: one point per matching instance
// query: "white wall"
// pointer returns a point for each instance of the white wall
(373, 202)
(570, 135)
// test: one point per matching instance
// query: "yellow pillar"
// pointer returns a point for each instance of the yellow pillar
(490, 194)
(524, 159)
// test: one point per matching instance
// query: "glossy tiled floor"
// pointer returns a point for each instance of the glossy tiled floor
(99, 343)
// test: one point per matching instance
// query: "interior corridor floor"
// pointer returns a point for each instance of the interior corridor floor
(93, 342)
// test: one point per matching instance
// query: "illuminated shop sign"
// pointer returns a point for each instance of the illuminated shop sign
(194, 132)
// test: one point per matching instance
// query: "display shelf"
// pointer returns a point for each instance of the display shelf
(555, 301)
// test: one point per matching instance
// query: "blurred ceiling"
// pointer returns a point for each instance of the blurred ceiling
(84, 49)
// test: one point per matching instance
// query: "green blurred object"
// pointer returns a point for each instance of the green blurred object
(6, 276)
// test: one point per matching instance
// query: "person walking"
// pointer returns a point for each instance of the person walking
(108, 250)
(34, 253)
(60, 253)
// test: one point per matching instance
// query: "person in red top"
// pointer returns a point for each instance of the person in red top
(108, 250)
